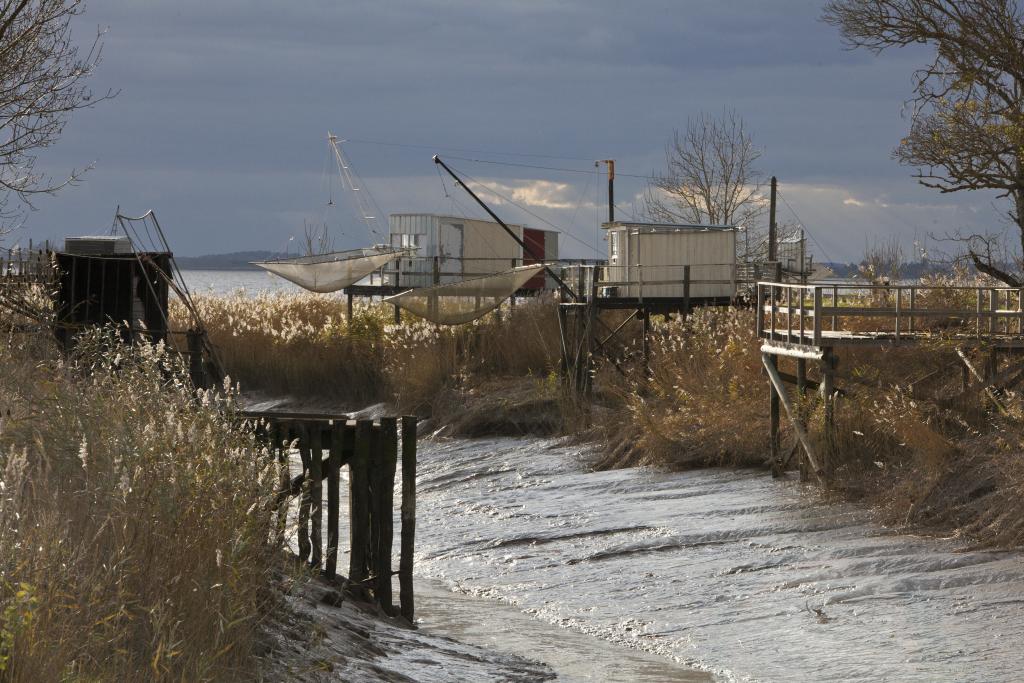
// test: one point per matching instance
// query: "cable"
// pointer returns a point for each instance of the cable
(464, 150)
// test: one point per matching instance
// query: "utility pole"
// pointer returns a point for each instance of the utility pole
(611, 188)
(773, 237)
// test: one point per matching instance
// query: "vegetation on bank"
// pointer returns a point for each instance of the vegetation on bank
(908, 438)
(135, 529)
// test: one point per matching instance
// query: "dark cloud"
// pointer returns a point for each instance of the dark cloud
(224, 107)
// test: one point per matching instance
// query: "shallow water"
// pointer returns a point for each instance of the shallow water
(727, 571)
(573, 656)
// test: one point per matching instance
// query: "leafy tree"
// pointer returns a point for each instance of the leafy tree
(967, 122)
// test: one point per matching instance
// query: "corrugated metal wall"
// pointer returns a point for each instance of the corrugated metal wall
(658, 256)
(484, 247)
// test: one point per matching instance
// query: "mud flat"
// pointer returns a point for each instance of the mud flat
(726, 571)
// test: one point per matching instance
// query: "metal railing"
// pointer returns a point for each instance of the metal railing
(817, 313)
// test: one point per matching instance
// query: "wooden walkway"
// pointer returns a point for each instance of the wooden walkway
(810, 322)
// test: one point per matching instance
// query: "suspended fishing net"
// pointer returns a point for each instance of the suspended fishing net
(462, 302)
(333, 271)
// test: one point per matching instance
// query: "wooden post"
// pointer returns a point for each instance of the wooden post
(773, 414)
(686, 291)
(408, 544)
(359, 502)
(278, 437)
(306, 496)
(828, 370)
(398, 315)
(645, 319)
(373, 477)
(385, 509)
(333, 503)
(348, 308)
(314, 433)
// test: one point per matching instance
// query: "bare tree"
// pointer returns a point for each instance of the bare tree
(710, 176)
(316, 241)
(883, 260)
(42, 81)
(967, 125)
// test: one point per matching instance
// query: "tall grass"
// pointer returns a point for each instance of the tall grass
(134, 520)
(302, 345)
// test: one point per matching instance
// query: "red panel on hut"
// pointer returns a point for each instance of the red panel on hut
(534, 240)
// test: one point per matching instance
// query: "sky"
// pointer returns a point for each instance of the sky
(223, 108)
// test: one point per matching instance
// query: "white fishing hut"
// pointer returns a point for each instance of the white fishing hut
(651, 260)
(452, 248)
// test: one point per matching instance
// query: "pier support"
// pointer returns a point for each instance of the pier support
(779, 394)
(828, 392)
(773, 407)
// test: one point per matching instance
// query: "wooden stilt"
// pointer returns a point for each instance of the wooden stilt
(828, 390)
(773, 406)
(348, 306)
(385, 509)
(306, 498)
(333, 504)
(359, 502)
(314, 434)
(645, 319)
(405, 562)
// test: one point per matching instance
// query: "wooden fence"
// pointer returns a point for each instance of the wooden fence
(371, 451)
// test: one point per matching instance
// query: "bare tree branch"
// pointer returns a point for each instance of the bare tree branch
(967, 122)
(42, 81)
(710, 175)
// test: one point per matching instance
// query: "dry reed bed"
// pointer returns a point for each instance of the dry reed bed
(135, 533)
(302, 345)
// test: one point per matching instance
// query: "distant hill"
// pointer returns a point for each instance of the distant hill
(237, 260)
(909, 271)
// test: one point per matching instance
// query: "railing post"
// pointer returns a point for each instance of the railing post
(803, 312)
(789, 314)
(775, 309)
(993, 304)
(978, 311)
(759, 302)
(913, 307)
(835, 306)
(817, 315)
(899, 305)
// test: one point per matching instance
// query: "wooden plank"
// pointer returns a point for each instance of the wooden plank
(359, 502)
(385, 505)
(408, 539)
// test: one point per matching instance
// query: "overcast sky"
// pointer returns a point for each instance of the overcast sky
(224, 107)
